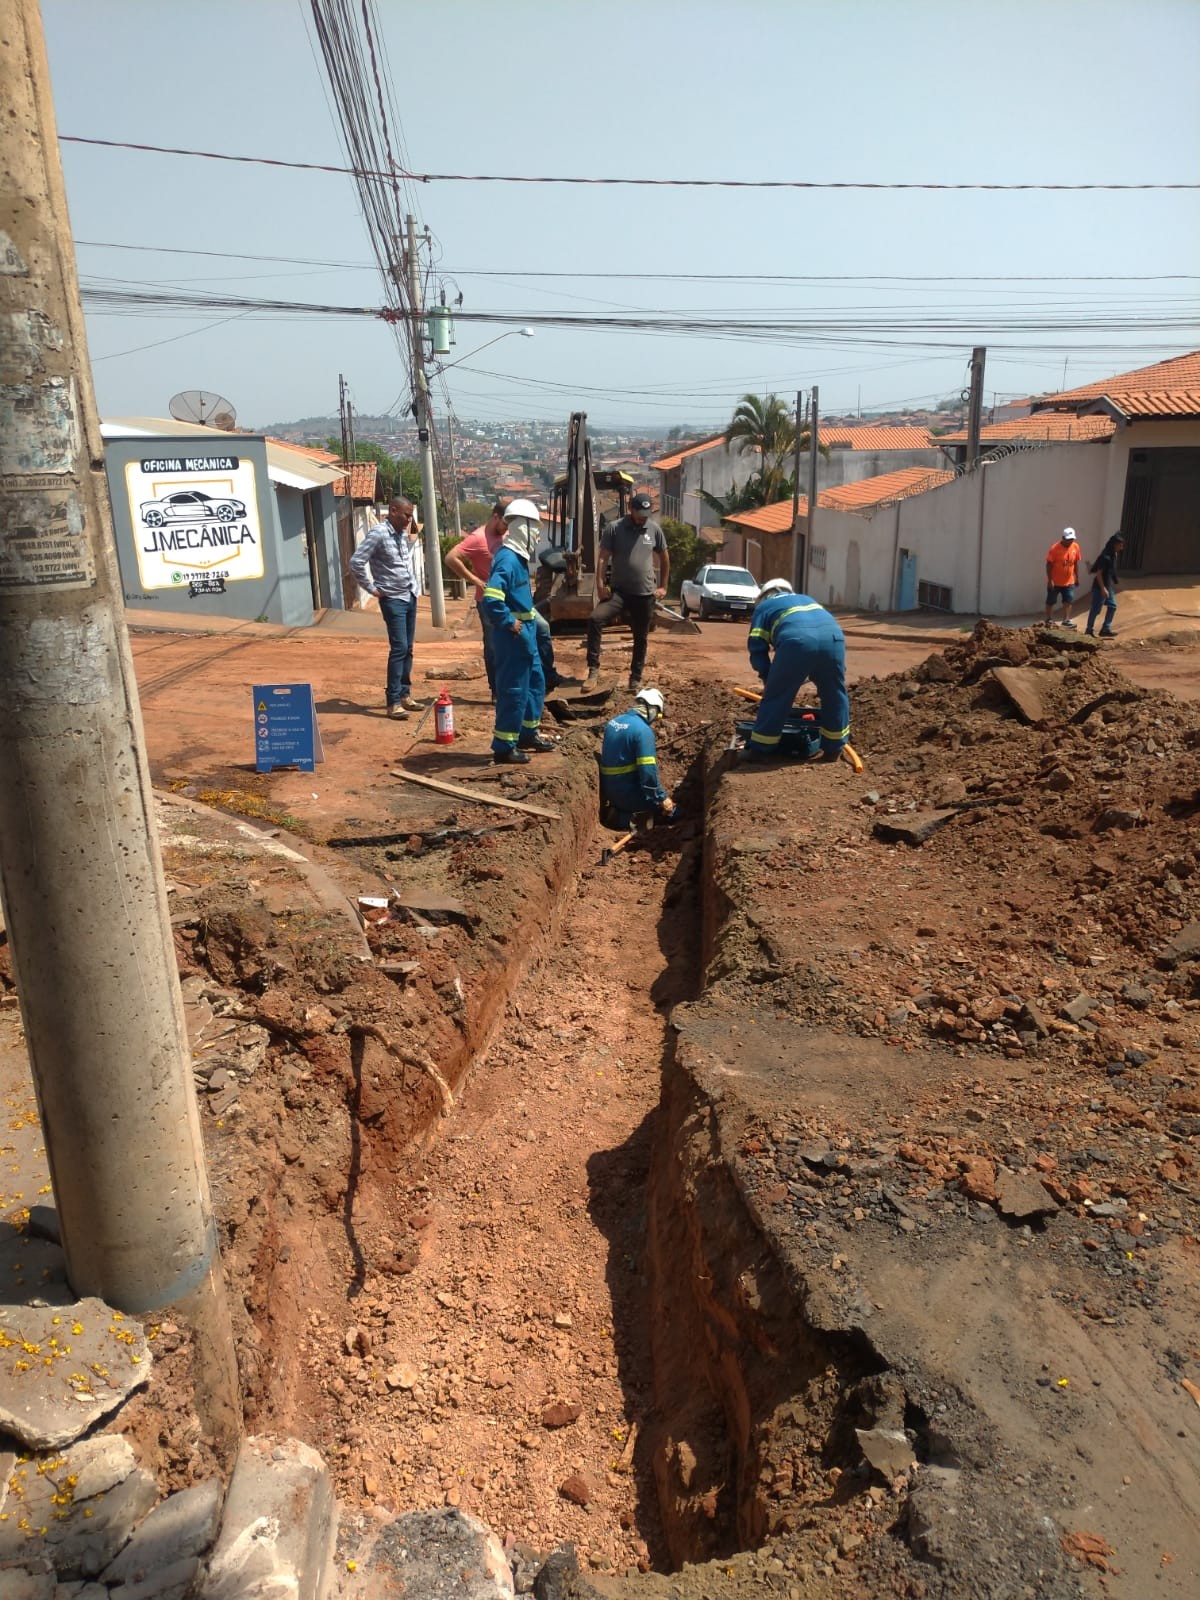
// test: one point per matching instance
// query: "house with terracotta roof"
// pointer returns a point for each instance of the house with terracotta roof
(1152, 461)
(850, 454)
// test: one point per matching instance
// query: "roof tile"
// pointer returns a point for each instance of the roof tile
(860, 496)
(1179, 374)
(1063, 425)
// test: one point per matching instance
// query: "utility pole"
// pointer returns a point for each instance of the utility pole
(80, 870)
(344, 420)
(813, 452)
(975, 404)
(433, 552)
(454, 477)
(797, 548)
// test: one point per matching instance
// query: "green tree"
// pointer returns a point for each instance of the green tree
(764, 424)
(689, 551)
(395, 477)
(473, 512)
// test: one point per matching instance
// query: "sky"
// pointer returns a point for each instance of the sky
(1041, 91)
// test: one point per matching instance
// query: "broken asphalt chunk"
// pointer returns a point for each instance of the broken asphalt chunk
(913, 828)
(888, 1450)
(1022, 1198)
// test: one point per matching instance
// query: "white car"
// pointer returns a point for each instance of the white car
(719, 592)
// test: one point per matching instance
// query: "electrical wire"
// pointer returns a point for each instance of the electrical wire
(360, 170)
(768, 278)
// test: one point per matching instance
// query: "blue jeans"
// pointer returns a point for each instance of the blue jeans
(401, 619)
(489, 647)
(1099, 602)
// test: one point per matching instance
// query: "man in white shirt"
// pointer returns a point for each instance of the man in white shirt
(383, 566)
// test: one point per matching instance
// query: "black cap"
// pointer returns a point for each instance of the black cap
(640, 502)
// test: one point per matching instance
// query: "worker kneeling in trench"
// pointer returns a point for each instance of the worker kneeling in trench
(792, 638)
(630, 789)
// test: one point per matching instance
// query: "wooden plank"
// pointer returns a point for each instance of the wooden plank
(464, 793)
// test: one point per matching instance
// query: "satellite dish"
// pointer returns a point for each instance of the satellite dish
(202, 406)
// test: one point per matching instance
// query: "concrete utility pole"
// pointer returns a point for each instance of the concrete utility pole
(433, 552)
(975, 404)
(80, 871)
(797, 547)
(454, 478)
(813, 457)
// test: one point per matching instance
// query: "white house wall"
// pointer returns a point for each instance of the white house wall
(718, 470)
(852, 466)
(1024, 501)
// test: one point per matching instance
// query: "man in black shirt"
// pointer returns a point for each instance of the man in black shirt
(1104, 586)
(631, 577)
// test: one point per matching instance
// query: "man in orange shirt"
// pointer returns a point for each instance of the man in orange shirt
(1062, 572)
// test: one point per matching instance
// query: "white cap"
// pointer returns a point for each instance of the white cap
(1068, 533)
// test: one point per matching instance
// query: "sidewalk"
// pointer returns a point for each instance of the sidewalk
(341, 624)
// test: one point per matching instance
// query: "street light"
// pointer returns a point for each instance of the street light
(525, 333)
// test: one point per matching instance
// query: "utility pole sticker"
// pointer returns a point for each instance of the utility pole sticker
(195, 522)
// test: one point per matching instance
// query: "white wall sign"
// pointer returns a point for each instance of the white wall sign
(195, 521)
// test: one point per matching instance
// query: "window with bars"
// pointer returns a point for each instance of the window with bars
(817, 557)
(934, 596)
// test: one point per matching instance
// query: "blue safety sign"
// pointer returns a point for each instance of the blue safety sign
(285, 727)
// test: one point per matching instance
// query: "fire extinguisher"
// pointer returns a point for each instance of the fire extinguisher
(443, 718)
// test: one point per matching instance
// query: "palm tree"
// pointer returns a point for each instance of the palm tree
(765, 424)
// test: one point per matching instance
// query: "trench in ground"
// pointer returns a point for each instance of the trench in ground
(596, 1343)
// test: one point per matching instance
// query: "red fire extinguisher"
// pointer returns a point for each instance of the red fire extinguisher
(443, 718)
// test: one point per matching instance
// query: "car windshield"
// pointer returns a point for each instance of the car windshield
(737, 576)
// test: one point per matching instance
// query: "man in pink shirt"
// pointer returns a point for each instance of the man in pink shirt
(471, 560)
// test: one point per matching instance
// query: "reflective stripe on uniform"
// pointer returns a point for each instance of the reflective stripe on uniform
(647, 761)
(758, 633)
(509, 738)
(525, 616)
(835, 733)
(493, 594)
(766, 738)
(789, 612)
(528, 724)
(617, 772)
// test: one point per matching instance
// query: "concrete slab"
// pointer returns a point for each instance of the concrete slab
(172, 1582)
(1028, 689)
(66, 1367)
(183, 1525)
(16, 1584)
(77, 1508)
(278, 1527)
(33, 1272)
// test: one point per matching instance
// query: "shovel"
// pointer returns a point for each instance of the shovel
(610, 851)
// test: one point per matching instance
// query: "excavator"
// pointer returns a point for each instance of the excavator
(583, 502)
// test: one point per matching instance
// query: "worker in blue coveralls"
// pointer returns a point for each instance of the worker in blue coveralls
(792, 638)
(508, 598)
(629, 781)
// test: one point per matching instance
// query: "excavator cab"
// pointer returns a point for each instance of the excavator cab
(582, 504)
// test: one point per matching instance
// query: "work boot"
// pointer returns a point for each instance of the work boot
(1107, 633)
(397, 713)
(537, 741)
(512, 757)
(562, 681)
(634, 684)
(410, 704)
(592, 681)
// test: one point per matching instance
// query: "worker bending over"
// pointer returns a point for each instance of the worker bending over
(629, 781)
(520, 683)
(792, 638)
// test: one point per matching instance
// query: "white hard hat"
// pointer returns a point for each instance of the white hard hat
(522, 508)
(775, 586)
(652, 698)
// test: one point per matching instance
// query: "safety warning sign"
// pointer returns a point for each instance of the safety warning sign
(285, 727)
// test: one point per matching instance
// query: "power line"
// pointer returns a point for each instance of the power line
(682, 277)
(394, 174)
